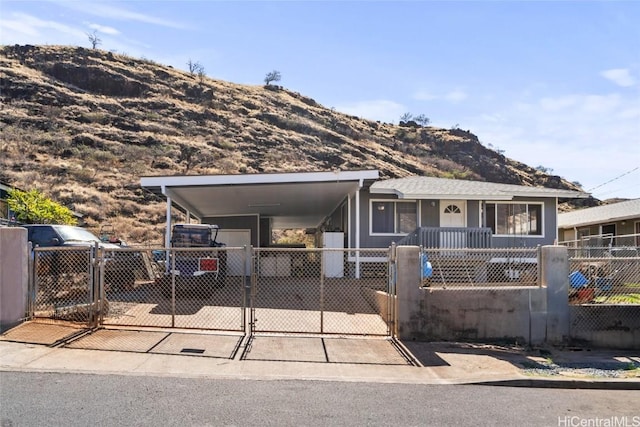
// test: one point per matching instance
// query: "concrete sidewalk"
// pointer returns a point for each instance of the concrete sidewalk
(162, 353)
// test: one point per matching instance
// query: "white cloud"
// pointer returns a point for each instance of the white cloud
(20, 28)
(27, 29)
(620, 76)
(119, 13)
(423, 95)
(583, 137)
(456, 95)
(104, 29)
(601, 104)
(559, 103)
(381, 109)
(453, 96)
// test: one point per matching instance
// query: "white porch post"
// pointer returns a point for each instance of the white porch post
(349, 239)
(167, 231)
(357, 234)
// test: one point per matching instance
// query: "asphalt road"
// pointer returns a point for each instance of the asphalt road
(39, 399)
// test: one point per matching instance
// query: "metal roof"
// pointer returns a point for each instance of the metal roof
(291, 200)
(600, 214)
(421, 187)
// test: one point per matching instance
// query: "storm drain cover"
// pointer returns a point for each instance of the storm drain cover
(192, 350)
(208, 345)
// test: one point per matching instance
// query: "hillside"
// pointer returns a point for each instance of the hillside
(83, 125)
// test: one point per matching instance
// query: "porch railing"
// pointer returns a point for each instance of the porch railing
(449, 237)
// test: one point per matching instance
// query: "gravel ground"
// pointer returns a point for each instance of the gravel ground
(611, 369)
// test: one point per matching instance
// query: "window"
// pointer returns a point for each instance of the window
(515, 218)
(42, 236)
(452, 209)
(391, 217)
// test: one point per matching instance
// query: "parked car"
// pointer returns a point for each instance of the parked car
(119, 266)
(199, 271)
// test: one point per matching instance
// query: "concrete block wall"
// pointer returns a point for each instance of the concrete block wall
(14, 276)
(532, 315)
(605, 326)
(514, 315)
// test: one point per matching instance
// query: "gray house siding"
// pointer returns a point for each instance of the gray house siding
(473, 213)
(429, 216)
(366, 240)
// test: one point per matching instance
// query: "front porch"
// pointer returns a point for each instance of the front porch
(449, 237)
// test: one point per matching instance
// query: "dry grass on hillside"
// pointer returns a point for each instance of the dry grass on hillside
(83, 125)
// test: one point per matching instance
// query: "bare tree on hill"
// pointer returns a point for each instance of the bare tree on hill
(94, 39)
(273, 76)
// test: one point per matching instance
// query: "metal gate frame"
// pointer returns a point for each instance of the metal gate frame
(325, 291)
(68, 296)
(90, 309)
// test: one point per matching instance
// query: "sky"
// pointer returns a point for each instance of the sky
(554, 84)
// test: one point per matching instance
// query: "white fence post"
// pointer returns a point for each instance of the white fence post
(14, 276)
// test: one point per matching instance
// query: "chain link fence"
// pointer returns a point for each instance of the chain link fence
(475, 268)
(316, 291)
(604, 290)
(321, 291)
(62, 285)
(611, 277)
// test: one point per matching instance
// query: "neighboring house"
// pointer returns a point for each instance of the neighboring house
(361, 211)
(5, 213)
(601, 225)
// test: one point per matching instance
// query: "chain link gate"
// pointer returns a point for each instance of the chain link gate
(63, 285)
(303, 291)
(189, 288)
(321, 291)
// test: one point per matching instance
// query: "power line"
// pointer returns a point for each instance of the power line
(614, 179)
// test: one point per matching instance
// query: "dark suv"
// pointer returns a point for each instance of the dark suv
(119, 264)
(47, 235)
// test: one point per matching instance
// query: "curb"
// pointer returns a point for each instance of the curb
(566, 384)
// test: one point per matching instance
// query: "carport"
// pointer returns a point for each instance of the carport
(275, 201)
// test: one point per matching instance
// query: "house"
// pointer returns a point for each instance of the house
(602, 225)
(5, 213)
(362, 211)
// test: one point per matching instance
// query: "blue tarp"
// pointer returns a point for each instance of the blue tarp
(425, 266)
(578, 280)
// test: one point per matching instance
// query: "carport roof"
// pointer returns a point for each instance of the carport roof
(292, 200)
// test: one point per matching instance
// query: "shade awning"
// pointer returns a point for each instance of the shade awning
(291, 200)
